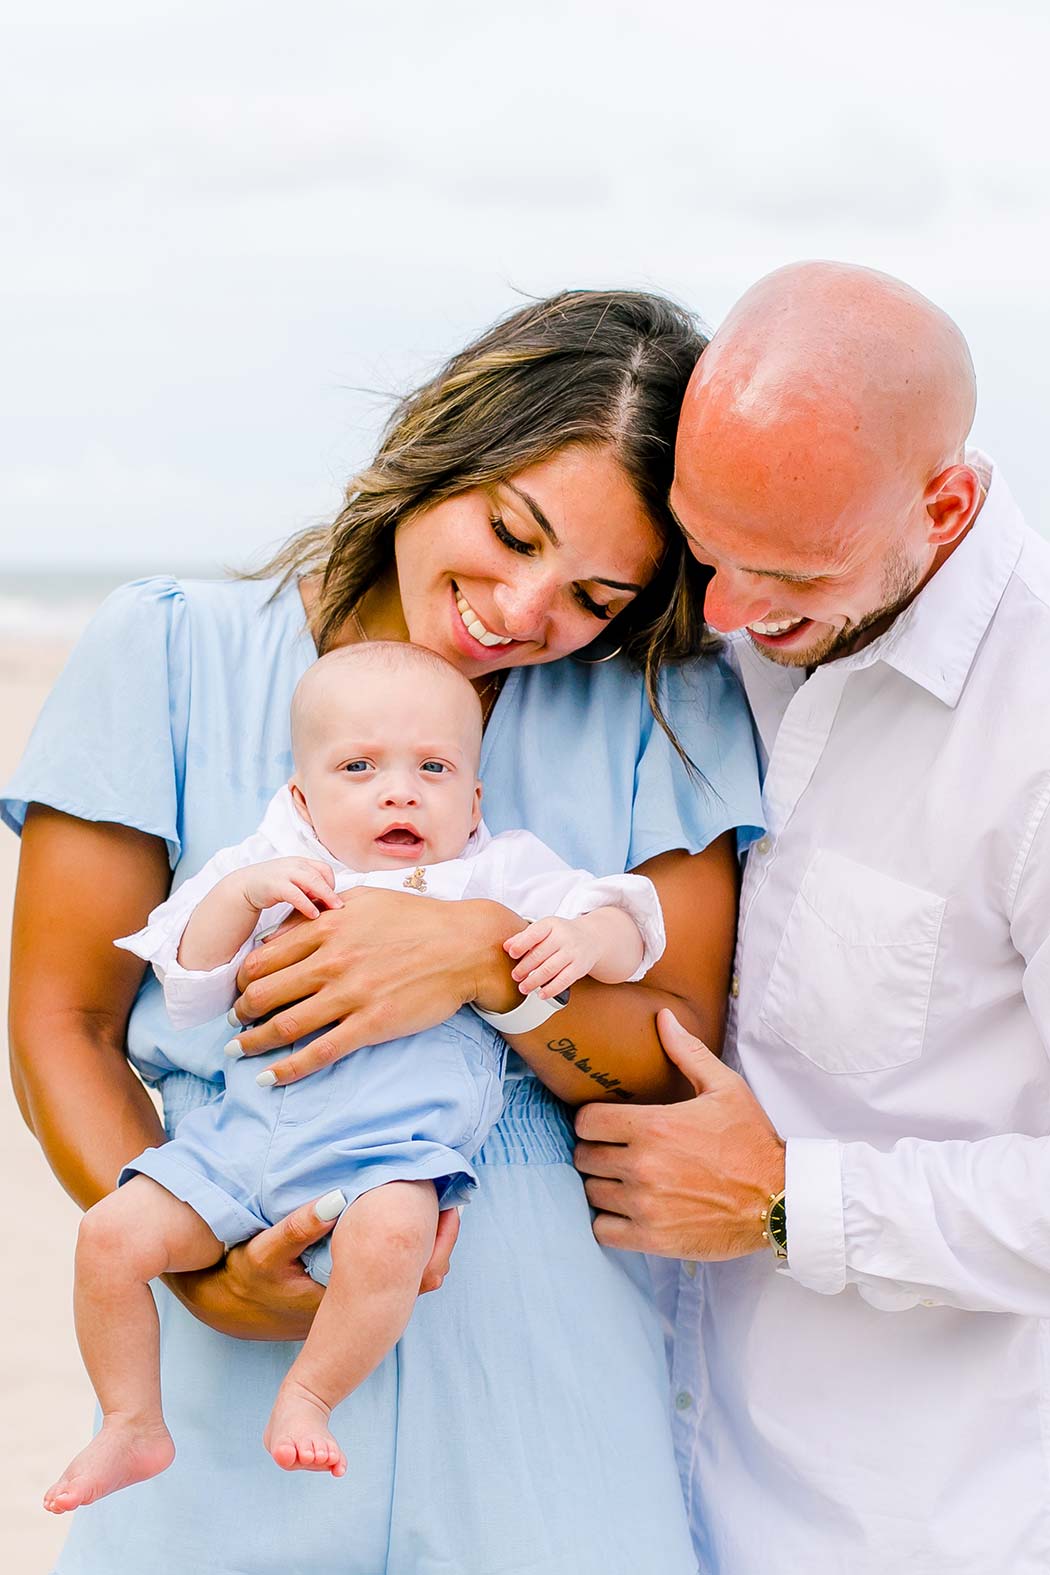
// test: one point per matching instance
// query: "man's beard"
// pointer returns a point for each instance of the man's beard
(901, 579)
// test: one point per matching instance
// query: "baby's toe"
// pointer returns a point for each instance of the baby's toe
(285, 1453)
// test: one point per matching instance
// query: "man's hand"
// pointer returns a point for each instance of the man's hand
(688, 1180)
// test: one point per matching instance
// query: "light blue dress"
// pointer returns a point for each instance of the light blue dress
(521, 1424)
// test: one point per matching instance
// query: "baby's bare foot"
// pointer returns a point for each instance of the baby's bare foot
(297, 1434)
(122, 1452)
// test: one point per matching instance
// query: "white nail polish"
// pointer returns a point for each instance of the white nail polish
(233, 1020)
(330, 1206)
(266, 1079)
(233, 1049)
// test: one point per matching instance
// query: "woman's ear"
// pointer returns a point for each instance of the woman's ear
(299, 800)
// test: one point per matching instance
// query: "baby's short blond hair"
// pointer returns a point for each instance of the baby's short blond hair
(336, 666)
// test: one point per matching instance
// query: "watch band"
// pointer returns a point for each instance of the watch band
(532, 1013)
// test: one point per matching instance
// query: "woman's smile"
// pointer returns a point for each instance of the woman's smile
(475, 627)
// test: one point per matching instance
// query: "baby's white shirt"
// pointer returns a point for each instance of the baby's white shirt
(514, 868)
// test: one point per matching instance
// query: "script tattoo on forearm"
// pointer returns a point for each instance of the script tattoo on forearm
(569, 1052)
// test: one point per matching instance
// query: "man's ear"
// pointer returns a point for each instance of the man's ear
(475, 817)
(952, 501)
(299, 800)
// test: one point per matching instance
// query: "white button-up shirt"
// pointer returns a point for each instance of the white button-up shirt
(883, 1404)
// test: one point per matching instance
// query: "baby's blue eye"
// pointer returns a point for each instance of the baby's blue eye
(436, 766)
(356, 766)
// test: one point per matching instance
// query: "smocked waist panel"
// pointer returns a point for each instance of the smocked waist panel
(534, 1128)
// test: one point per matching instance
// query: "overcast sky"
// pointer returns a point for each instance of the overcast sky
(225, 224)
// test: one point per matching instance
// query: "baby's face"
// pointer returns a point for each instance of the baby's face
(387, 768)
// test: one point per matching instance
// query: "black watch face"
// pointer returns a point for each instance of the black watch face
(778, 1223)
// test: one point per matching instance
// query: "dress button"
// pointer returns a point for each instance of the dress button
(763, 845)
(683, 1400)
(734, 988)
(690, 1269)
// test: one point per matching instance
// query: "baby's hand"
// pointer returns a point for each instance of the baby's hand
(307, 884)
(553, 954)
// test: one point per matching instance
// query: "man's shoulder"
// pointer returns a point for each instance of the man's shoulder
(1032, 572)
(1014, 659)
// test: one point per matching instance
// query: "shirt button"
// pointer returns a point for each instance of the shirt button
(927, 1301)
(734, 988)
(690, 1269)
(683, 1400)
(763, 845)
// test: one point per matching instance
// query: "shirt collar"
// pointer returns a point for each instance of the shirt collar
(935, 639)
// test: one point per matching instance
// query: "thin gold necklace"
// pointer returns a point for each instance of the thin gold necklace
(488, 692)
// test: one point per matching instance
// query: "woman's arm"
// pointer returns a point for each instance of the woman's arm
(80, 885)
(604, 1045)
(388, 964)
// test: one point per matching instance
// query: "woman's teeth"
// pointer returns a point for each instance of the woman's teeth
(475, 627)
(776, 628)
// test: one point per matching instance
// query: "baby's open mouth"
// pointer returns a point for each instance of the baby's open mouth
(404, 841)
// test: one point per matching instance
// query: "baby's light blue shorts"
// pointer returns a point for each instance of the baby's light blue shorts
(414, 1109)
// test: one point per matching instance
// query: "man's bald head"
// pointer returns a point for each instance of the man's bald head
(823, 412)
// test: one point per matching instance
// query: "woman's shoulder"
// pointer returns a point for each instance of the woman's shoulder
(229, 600)
(202, 621)
(705, 688)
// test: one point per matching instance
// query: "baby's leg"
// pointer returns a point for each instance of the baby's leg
(125, 1241)
(380, 1248)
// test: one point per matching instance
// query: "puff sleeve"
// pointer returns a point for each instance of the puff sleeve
(678, 808)
(110, 741)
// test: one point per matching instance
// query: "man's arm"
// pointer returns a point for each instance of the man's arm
(962, 1224)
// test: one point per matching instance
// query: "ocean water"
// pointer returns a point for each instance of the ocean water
(54, 605)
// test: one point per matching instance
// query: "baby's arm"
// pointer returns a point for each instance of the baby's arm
(227, 915)
(553, 953)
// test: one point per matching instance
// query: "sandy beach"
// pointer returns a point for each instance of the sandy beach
(46, 1399)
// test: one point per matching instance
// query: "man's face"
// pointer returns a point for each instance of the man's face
(810, 578)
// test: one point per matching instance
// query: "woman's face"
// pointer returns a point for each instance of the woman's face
(528, 569)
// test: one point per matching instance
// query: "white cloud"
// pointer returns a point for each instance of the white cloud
(225, 220)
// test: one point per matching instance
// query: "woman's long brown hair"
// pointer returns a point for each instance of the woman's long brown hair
(604, 369)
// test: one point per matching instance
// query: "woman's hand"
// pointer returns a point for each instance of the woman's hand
(261, 1290)
(384, 965)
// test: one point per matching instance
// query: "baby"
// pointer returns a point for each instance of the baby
(386, 741)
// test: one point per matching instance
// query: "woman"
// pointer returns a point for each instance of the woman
(515, 513)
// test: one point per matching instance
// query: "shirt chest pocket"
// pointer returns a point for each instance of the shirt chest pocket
(850, 984)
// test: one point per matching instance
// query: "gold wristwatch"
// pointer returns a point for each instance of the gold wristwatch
(774, 1225)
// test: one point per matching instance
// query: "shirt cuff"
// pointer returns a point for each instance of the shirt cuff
(195, 996)
(815, 1229)
(637, 896)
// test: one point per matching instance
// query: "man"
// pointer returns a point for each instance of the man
(877, 1400)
